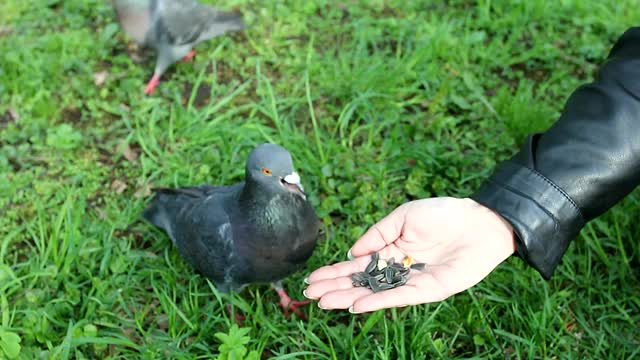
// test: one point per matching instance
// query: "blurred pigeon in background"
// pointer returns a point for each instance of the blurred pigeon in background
(259, 230)
(172, 28)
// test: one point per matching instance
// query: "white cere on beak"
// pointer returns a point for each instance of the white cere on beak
(293, 179)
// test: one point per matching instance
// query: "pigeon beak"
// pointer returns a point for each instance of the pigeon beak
(292, 183)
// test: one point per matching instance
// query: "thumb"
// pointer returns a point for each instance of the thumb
(384, 233)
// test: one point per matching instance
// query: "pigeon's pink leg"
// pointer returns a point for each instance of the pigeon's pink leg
(287, 304)
(155, 80)
(190, 55)
(238, 317)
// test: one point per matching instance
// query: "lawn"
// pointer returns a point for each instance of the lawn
(380, 102)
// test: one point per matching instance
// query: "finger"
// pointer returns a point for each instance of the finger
(342, 299)
(383, 233)
(419, 290)
(340, 269)
(398, 297)
(322, 287)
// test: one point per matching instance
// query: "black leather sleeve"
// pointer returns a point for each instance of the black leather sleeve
(579, 168)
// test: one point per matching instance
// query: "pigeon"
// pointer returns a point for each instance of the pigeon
(256, 231)
(173, 28)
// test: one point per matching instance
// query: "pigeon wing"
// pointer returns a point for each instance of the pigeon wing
(197, 221)
(204, 238)
(186, 22)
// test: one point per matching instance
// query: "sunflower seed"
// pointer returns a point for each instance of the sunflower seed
(383, 274)
(407, 261)
(384, 286)
(389, 274)
(358, 277)
(371, 266)
(397, 278)
(373, 285)
(403, 280)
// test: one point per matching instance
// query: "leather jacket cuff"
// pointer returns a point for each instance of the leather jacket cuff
(544, 218)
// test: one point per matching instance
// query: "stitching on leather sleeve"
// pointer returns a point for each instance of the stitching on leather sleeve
(560, 190)
(529, 198)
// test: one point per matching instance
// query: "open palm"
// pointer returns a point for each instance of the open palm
(460, 240)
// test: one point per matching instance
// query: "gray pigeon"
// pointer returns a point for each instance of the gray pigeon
(173, 28)
(256, 231)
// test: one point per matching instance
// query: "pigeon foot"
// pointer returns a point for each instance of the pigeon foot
(189, 56)
(155, 80)
(287, 304)
(239, 318)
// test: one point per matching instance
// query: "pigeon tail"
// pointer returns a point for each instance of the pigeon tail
(165, 202)
(168, 201)
(224, 22)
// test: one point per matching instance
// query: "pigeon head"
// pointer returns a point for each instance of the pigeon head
(270, 166)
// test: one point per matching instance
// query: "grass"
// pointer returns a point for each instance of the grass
(380, 102)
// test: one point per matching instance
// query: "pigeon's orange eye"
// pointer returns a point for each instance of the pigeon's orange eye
(266, 171)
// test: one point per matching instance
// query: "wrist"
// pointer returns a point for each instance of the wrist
(508, 229)
(503, 226)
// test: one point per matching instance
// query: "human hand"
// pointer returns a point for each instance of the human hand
(460, 240)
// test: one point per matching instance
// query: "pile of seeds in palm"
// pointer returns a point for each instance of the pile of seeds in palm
(383, 274)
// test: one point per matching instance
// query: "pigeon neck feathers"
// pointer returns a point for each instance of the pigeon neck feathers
(272, 207)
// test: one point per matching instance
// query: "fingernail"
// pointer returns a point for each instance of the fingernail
(320, 306)
(306, 280)
(349, 255)
(351, 310)
(304, 292)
